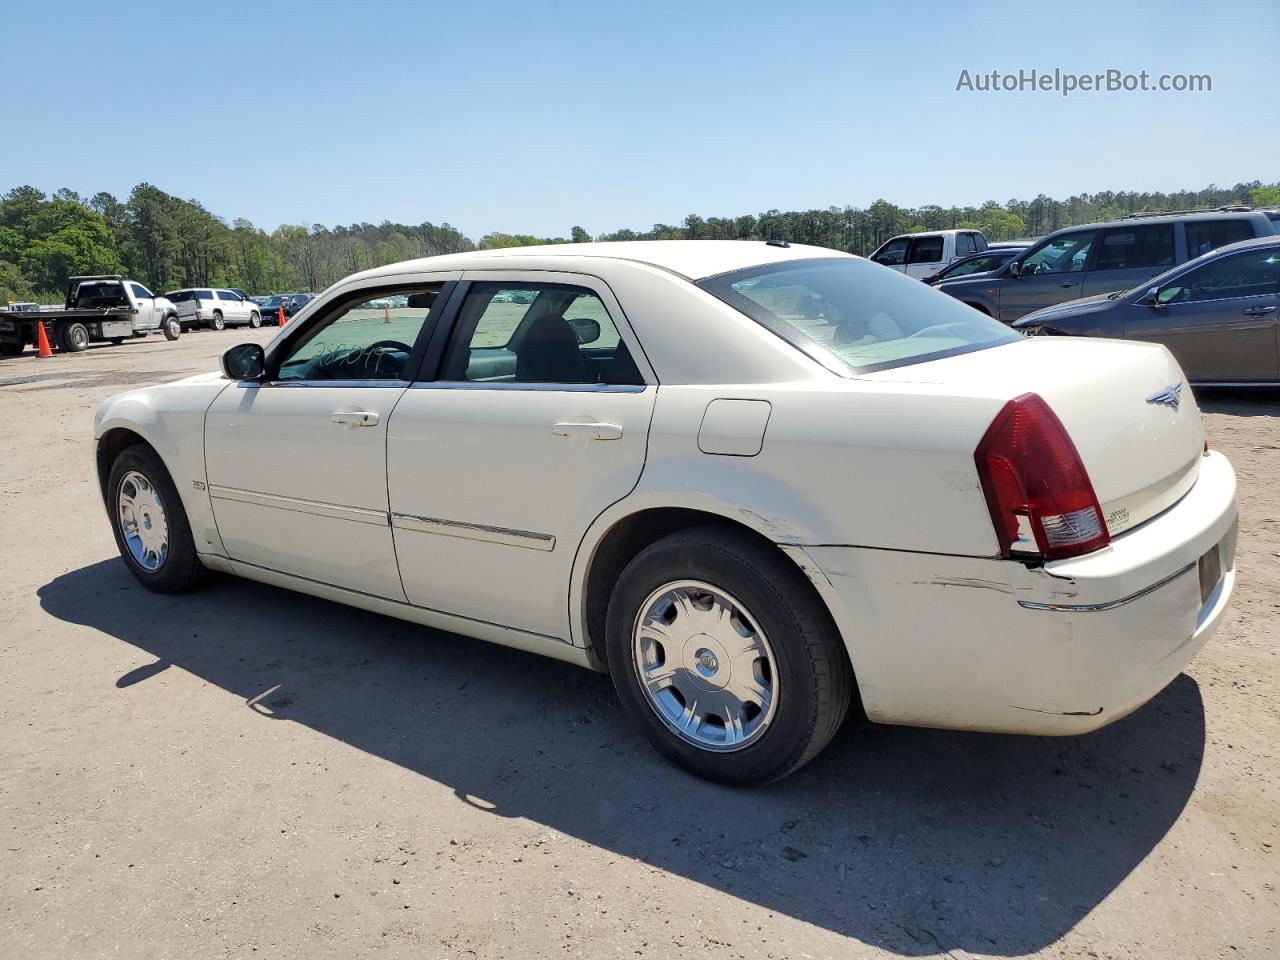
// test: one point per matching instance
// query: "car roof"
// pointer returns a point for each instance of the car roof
(1197, 217)
(691, 259)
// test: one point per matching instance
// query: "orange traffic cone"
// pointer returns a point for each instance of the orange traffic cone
(280, 316)
(386, 314)
(42, 340)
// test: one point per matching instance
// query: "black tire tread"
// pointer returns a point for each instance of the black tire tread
(182, 570)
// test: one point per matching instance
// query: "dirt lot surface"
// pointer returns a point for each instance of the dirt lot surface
(246, 772)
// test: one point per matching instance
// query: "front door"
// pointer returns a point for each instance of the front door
(925, 256)
(538, 420)
(297, 464)
(146, 318)
(1220, 319)
(1129, 255)
(1050, 274)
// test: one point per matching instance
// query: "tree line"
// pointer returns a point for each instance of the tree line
(167, 242)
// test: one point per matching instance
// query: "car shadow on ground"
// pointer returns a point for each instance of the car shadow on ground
(1239, 401)
(915, 841)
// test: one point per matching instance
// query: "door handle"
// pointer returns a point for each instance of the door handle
(1258, 311)
(1067, 284)
(592, 431)
(358, 418)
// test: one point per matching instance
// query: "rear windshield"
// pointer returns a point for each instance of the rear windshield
(854, 316)
(181, 296)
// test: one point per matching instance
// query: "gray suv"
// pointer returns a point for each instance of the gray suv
(1102, 257)
(1219, 315)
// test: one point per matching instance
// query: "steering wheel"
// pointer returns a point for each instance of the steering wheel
(388, 345)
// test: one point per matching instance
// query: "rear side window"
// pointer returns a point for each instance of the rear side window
(892, 254)
(1206, 235)
(979, 242)
(204, 294)
(1252, 273)
(1129, 247)
(925, 250)
(854, 318)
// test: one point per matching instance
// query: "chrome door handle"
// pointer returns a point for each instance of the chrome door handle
(358, 418)
(592, 431)
(1259, 311)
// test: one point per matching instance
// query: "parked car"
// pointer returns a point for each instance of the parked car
(99, 308)
(846, 484)
(1219, 315)
(993, 258)
(214, 308)
(1104, 257)
(922, 255)
(25, 306)
(290, 302)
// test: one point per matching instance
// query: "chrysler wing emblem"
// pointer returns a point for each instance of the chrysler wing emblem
(1170, 396)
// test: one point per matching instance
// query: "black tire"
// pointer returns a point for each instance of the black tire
(172, 328)
(255, 319)
(75, 338)
(181, 568)
(217, 322)
(814, 682)
(12, 349)
(116, 341)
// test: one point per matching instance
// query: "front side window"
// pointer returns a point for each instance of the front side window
(893, 253)
(978, 264)
(366, 340)
(1206, 235)
(964, 244)
(536, 333)
(1065, 254)
(854, 318)
(925, 250)
(141, 292)
(1131, 247)
(227, 295)
(1254, 273)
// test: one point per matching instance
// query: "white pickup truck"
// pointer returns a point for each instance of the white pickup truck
(97, 308)
(922, 255)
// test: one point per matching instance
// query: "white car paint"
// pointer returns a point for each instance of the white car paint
(197, 311)
(473, 510)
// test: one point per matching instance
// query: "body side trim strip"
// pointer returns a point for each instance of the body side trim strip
(314, 507)
(474, 531)
(1110, 604)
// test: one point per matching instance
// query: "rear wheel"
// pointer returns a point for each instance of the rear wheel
(172, 328)
(149, 523)
(255, 319)
(726, 657)
(75, 337)
(11, 348)
(217, 322)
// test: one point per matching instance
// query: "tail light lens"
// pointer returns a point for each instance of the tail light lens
(1038, 491)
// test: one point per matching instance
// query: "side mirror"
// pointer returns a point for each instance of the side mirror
(1015, 268)
(587, 330)
(245, 361)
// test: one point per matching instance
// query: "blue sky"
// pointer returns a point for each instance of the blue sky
(533, 117)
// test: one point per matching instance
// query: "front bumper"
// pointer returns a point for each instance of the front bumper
(985, 644)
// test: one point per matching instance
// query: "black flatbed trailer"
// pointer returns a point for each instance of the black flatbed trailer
(97, 308)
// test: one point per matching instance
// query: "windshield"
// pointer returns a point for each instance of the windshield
(854, 316)
(276, 301)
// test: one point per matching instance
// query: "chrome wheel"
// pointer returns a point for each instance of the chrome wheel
(705, 666)
(140, 514)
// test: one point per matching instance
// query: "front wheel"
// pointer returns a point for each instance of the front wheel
(255, 319)
(149, 522)
(726, 657)
(172, 328)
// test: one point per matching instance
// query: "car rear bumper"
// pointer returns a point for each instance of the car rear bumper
(985, 644)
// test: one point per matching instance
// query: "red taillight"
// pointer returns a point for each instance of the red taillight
(1038, 491)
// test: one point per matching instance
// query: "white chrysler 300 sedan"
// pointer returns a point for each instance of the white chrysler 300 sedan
(752, 481)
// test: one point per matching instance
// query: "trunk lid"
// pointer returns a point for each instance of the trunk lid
(1126, 406)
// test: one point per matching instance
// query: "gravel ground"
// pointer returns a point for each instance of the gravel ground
(248, 772)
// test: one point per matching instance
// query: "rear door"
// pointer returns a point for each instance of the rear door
(1220, 319)
(1128, 255)
(537, 421)
(925, 256)
(1051, 273)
